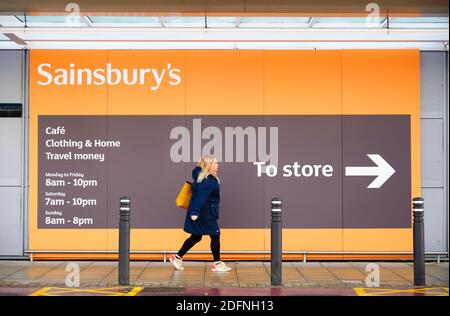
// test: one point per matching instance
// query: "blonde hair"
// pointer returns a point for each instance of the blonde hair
(205, 163)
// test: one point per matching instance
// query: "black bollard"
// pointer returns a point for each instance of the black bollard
(124, 241)
(419, 242)
(276, 243)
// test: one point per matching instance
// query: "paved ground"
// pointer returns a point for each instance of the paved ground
(246, 278)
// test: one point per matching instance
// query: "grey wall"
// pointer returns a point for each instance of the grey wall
(434, 149)
(11, 213)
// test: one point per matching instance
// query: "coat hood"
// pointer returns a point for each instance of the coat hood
(195, 173)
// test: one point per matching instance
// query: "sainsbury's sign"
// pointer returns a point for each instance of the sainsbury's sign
(73, 75)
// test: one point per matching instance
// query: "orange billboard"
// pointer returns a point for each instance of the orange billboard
(342, 127)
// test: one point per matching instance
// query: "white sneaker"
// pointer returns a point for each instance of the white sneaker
(220, 267)
(178, 263)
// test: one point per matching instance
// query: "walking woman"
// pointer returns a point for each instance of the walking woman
(203, 212)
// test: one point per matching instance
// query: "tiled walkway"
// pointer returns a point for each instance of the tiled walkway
(199, 274)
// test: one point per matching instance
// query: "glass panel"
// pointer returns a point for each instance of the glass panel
(274, 19)
(341, 20)
(420, 20)
(185, 21)
(51, 21)
(42, 19)
(124, 19)
(221, 21)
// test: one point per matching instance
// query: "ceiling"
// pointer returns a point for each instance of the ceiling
(233, 7)
(371, 28)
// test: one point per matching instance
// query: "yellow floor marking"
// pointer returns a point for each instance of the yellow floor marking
(378, 292)
(135, 291)
(55, 291)
(359, 291)
(61, 290)
(105, 290)
(396, 291)
(40, 292)
(87, 291)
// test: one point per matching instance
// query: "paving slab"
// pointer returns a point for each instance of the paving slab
(199, 274)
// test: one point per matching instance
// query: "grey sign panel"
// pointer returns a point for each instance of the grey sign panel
(149, 157)
(142, 170)
(242, 193)
(72, 192)
(388, 206)
(308, 201)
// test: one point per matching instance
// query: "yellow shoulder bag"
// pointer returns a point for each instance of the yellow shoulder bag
(184, 197)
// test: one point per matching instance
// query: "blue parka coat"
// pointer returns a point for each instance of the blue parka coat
(205, 204)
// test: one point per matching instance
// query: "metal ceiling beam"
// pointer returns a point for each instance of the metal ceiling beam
(161, 21)
(225, 34)
(13, 37)
(423, 46)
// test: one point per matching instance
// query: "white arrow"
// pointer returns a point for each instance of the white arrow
(382, 170)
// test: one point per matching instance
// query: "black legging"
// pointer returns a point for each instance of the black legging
(191, 241)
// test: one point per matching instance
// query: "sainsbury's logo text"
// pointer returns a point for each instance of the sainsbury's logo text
(154, 78)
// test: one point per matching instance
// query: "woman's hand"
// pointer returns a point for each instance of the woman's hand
(194, 217)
